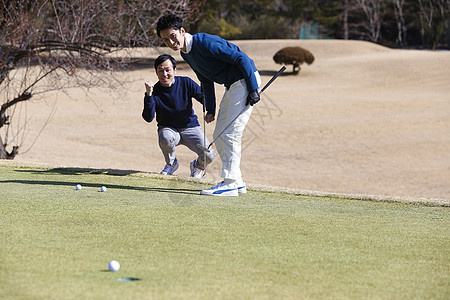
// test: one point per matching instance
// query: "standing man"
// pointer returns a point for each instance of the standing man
(214, 59)
(171, 99)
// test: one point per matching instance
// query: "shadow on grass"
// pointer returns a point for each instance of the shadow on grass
(110, 186)
(84, 171)
(80, 171)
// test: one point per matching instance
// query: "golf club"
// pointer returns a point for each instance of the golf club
(262, 90)
(204, 137)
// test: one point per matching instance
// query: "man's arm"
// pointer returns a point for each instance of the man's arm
(195, 91)
(148, 114)
(228, 52)
(198, 94)
(209, 93)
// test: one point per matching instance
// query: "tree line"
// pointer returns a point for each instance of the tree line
(393, 23)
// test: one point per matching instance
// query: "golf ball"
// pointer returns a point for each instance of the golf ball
(114, 266)
(103, 189)
(78, 187)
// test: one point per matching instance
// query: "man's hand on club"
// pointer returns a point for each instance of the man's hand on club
(253, 97)
(149, 87)
(209, 118)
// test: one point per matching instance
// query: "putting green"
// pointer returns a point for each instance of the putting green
(56, 242)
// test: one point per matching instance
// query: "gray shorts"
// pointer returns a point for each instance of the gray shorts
(190, 137)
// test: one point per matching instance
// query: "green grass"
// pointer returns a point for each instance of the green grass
(56, 242)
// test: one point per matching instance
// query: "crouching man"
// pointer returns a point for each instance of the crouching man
(171, 100)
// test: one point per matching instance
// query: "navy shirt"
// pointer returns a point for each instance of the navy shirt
(173, 105)
(214, 59)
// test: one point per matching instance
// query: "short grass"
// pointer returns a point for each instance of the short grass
(56, 242)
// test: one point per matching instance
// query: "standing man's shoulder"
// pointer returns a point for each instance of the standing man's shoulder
(207, 39)
(201, 36)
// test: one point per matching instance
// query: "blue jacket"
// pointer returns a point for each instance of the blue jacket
(173, 105)
(214, 59)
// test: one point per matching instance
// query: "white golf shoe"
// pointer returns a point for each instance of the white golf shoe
(196, 172)
(222, 189)
(241, 186)
(170, 169)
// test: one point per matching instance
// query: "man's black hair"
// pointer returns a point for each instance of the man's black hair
(162, 58)
(168, 21)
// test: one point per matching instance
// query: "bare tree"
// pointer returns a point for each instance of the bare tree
(373, 13)
(433, 15)
(50, 45)
(345, 19)
(400, 20)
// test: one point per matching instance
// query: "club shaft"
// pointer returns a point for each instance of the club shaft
(273, 78)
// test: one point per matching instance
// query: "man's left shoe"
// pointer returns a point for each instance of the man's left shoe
(241, 186)
(222, 189)
(196, 172)
(170, 169)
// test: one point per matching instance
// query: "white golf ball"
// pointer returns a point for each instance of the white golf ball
(114, 266)
(78, 187)
(103, 189)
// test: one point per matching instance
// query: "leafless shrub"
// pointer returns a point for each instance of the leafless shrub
(48, 45)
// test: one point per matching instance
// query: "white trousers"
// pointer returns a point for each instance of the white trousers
(228, 145)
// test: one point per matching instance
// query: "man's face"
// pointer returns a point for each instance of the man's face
(166, 73)
(173, 38)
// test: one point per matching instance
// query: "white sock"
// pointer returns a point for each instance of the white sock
(228, 180)
(240, 182)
